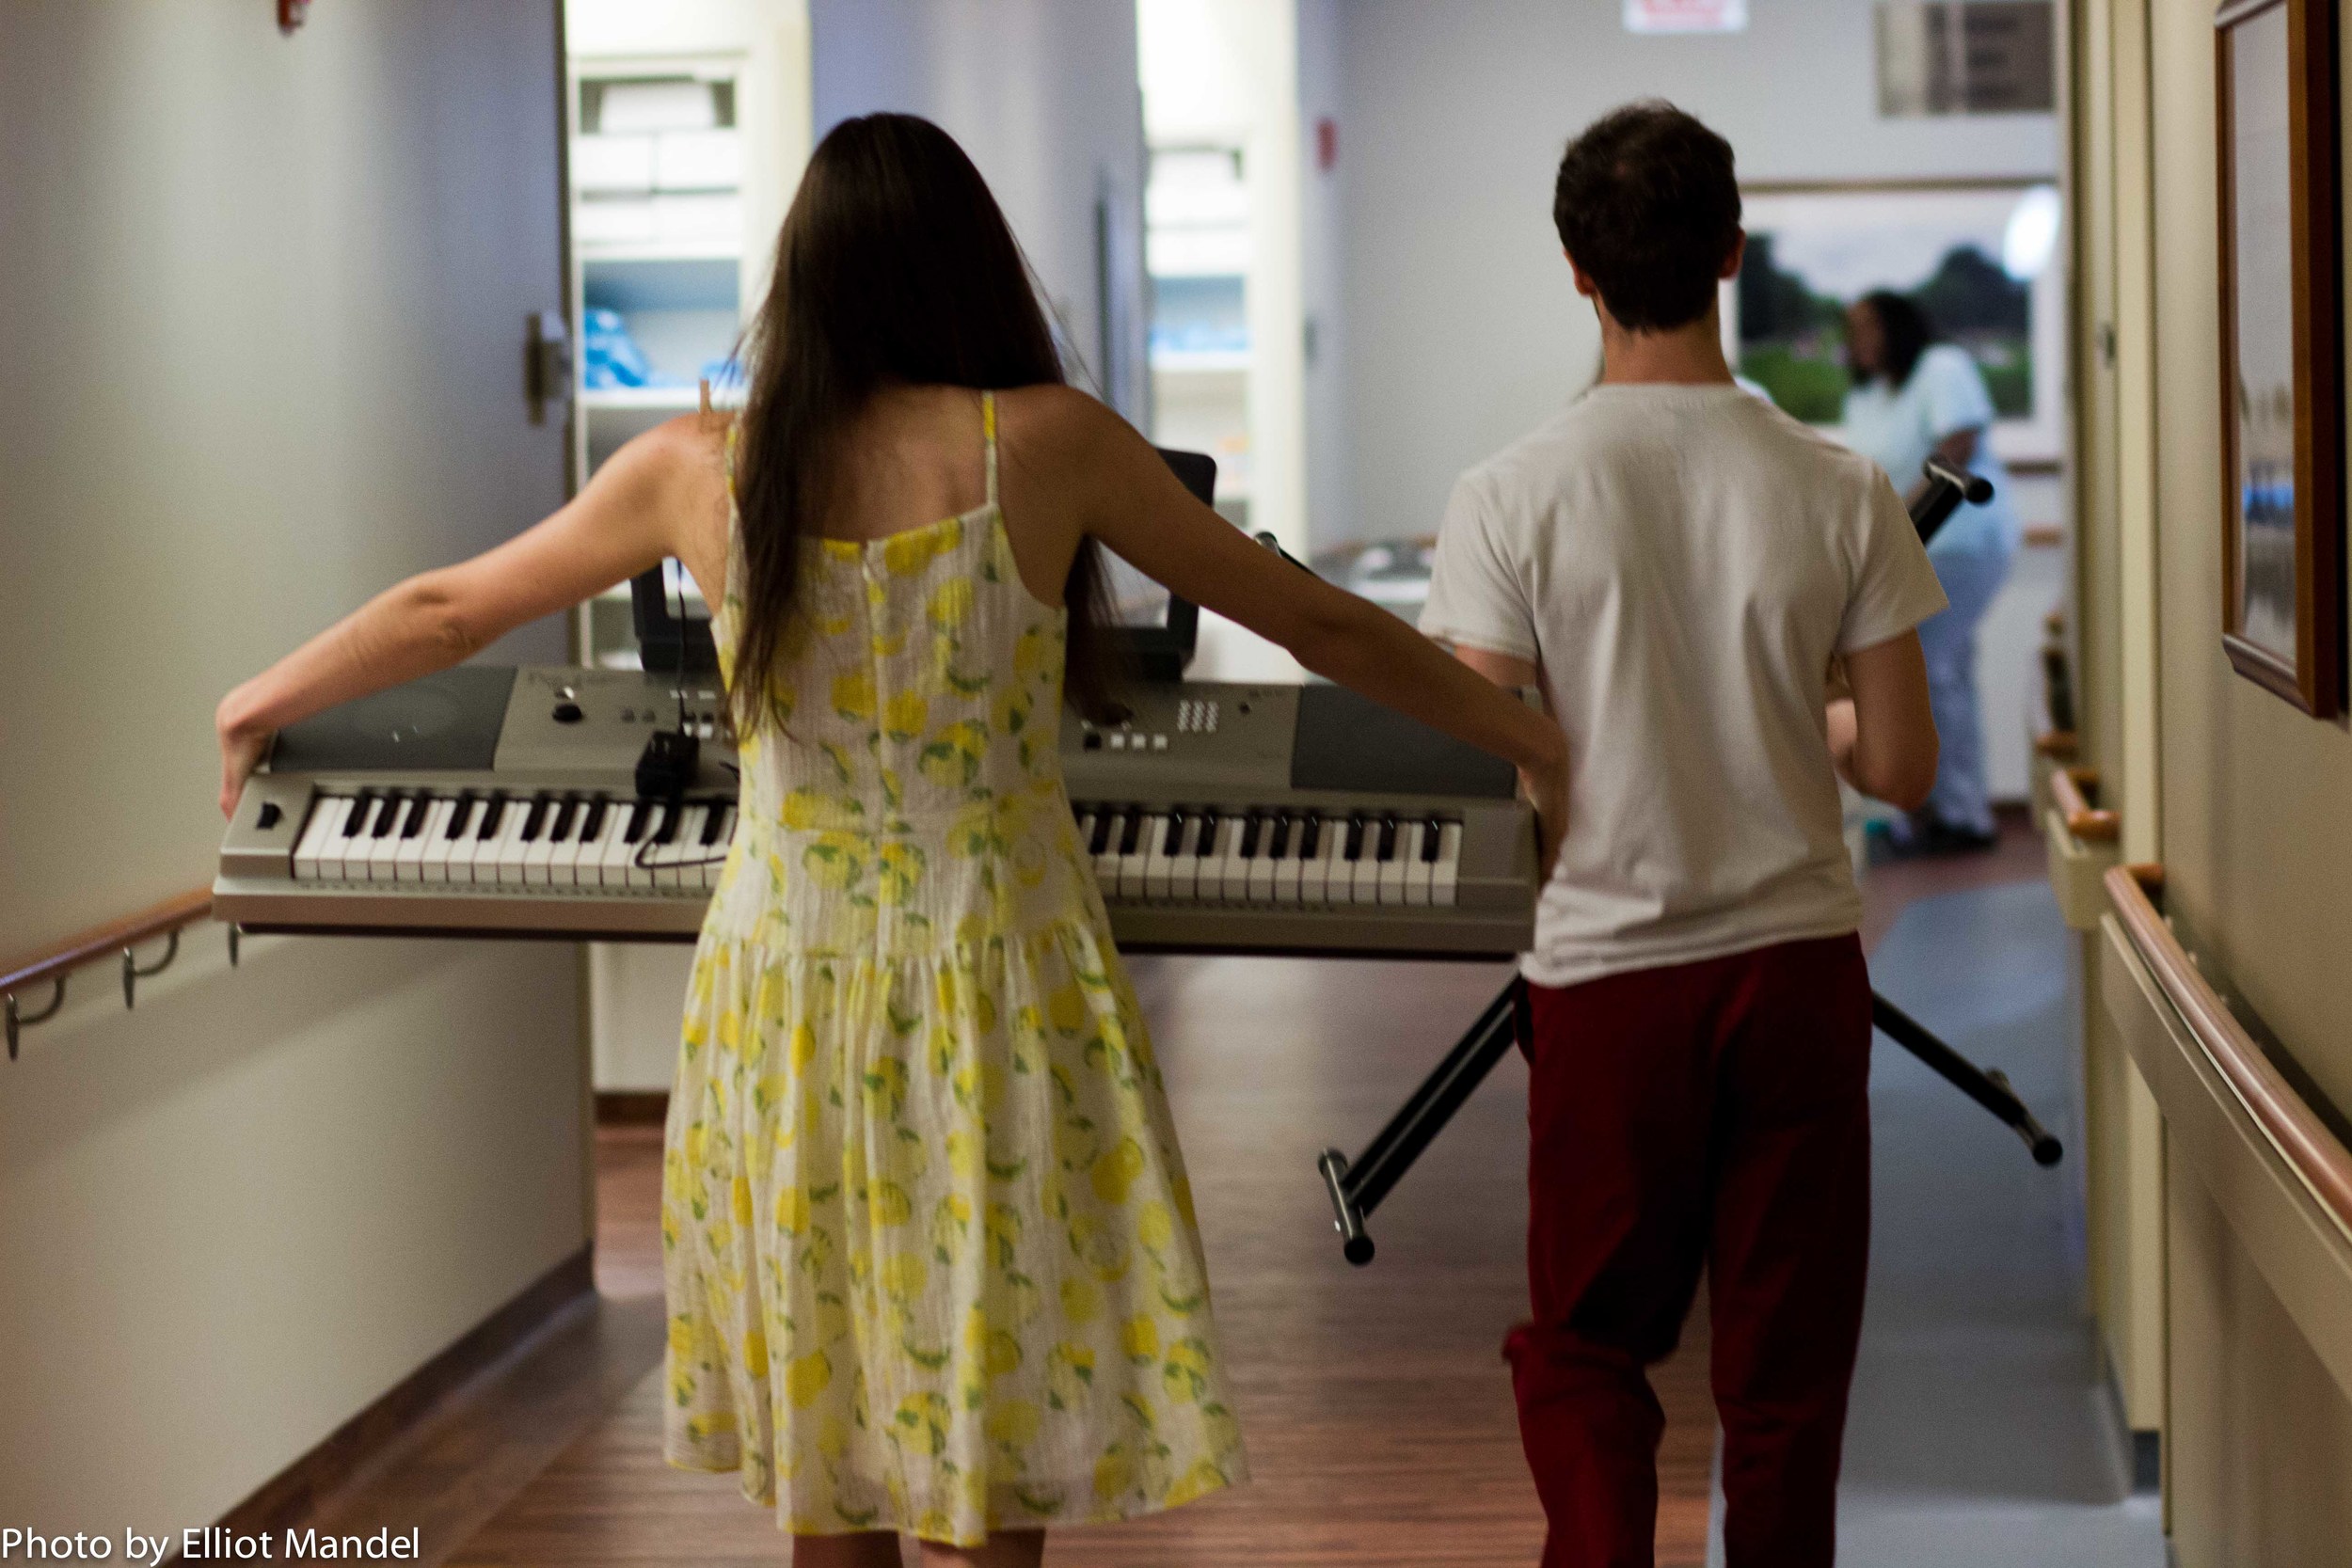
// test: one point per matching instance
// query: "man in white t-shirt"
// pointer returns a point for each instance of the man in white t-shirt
(1677, 565)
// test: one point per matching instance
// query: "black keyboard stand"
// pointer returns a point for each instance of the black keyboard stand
(1356, 1187)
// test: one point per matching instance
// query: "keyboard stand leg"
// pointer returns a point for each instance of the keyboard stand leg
(1356, 1187)
(1987, 1089)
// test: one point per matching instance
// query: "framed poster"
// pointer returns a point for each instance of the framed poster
(1981, 258)
(2282, 617)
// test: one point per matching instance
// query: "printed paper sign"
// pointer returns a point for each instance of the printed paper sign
(1686, 16)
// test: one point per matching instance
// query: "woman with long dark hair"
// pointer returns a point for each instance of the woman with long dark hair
(1915, 397)
(931, 1255)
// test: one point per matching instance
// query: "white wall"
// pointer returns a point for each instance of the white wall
(262, 308)
(1043, 96)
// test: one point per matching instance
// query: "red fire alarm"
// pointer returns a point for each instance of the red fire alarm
(1327, 144)
(291, 14)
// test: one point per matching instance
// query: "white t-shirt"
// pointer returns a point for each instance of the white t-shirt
(1682, 561)
(1898, 427)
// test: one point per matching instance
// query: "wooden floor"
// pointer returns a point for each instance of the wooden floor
(1374, 1401)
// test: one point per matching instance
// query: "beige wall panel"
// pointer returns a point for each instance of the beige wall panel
(261, 301)
(232, 1219)
(2260, 1461)
(2256, 795)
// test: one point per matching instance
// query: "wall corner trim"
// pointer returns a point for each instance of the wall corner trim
(291, 1498)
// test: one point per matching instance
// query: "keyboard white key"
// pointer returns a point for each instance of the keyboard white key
(409, 860)
(1444, 875)
(438, 842)
(1314, 873)
(685, 846)
(563, 862)
(1194, 867)
(716, 853)
(1158, 863)
(1259, 836)
(537, 853)
(326, 820)
(474, 859)
(383, 846)
(1364, 872)
(640, 866)
(1392, 842)
(1143, 830)
(1420, 851)
(504, 866)
(1290, 861)
(1109, 827)
(1233, 872)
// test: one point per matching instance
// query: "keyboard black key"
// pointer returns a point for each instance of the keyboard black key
(1388, 839)
(1311, 836)
(1101, 842)
(1131, 832)
(1353, 849)
(460, 814)
(493, 814)
(387, 811)
(412, 821)
(534, 819)
(1281, 848)
(560, 830)
(1432, 831)
(713, 822)
(1172, 840)
(665, 831)
(1251, 827)
(357, 817)
(592, 828)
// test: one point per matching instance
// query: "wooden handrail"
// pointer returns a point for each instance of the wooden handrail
(52, 964)
(2285, 1119)
(2057, 744)
(2075, 792)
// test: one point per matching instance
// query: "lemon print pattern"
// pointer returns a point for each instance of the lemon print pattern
(930, 1254)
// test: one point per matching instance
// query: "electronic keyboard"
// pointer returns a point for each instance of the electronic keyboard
(493, 801)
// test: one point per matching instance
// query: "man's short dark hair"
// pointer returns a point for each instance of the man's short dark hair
(1648, 207)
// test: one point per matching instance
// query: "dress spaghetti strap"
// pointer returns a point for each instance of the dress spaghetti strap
(987, 435)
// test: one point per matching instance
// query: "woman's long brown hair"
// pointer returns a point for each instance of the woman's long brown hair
(895, 265)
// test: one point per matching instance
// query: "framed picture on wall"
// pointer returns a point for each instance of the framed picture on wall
(2282, 615)
(1981, 258)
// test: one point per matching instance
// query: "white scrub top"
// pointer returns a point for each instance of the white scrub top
(1898, 428)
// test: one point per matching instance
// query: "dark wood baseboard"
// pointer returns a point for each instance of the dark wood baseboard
(292, 1495)
(632, 1107)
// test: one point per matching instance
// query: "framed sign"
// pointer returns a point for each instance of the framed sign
(2282, 616)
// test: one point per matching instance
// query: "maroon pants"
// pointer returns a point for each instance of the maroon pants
(1713, 1112)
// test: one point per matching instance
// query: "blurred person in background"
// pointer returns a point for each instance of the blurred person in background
(1914, 398)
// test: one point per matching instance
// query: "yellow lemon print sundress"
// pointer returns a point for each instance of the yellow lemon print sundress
(929, 1249)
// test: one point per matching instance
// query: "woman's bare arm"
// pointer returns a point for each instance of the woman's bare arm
(641, 506)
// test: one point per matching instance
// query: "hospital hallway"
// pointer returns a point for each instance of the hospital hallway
(1374, 1402)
